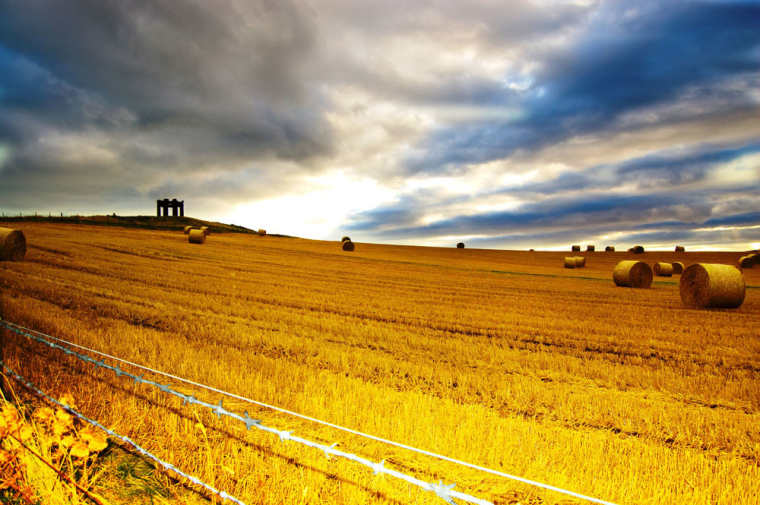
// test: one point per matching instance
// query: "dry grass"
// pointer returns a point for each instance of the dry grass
(628, 396)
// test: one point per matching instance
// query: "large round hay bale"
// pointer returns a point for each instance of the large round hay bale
(580, 261)
(678, 267)
(205, 230)
(575, 248)
(712, 285)
(12, 245)
(637, 249)
(663, 269)
(187, 229)
(632, 274)
(569, 261)
(747, 261)
(609, 248)
(680, 248)
(346, 237)
(460, 245)
(590, 248)
(196, 236)
(262, 232)
(348, 245)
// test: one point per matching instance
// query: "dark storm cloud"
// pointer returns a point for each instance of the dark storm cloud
(622, 63)
(567, 217)
(552, 214)
(164, 88)
(655, 170)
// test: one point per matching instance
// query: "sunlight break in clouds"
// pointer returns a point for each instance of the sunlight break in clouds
(318, 212)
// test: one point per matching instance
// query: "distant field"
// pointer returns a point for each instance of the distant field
(501, 358)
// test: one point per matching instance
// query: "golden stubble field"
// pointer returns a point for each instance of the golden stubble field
(500, 358)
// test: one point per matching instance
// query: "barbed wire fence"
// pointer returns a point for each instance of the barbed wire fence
(444, 491)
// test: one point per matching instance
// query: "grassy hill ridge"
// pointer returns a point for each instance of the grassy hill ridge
(145, 222)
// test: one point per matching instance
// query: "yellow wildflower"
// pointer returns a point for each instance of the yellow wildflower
(44, 414)
(80, 450)
(95, 441)
(25, 433)
(67, 441)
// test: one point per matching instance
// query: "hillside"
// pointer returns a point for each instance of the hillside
(500, 358)
(143, 222)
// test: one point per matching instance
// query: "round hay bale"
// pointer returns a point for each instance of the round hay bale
(609, 248)
(187, 229)
(196, 236)
(569, 261)
(580, 262)
(460, 245)
(345, 238)
(348, 245)
(711, 285)
(637, 249)
(531, 250)
(205, 231)
(262, 232)
(663, 269)
(575, 248)
(590, 248)
(747, 261)
(680, 248)
(632, 274)
(12, 245)
(678, 267)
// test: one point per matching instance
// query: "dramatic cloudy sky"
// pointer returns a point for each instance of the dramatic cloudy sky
(527, 123)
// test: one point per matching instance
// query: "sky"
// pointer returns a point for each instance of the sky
(511, 125)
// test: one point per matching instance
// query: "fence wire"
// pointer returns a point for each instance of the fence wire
(445, 492)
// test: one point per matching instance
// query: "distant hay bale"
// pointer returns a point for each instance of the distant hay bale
(345, 238)
(678, 267)
(348, 245)
(196, 236)
(706, 285)
(663, 269)
(187, 229)
(531, 250)
(569, 261)
(575, 248)
(748, 261)
(590, 248)
(205, 230)
(680, 248)
(262, 232)
(632, 274)
(12, 245)
(580, 262)
(609, 248)
(460, 245)
(637, 249)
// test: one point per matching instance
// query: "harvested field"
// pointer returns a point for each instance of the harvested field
(501, 358)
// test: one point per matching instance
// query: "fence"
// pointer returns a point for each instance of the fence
(444, 491)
